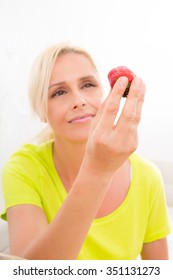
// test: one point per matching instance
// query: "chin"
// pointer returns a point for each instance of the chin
(81, 136)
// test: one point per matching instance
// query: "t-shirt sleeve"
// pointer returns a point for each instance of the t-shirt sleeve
(158, 220)
(19, 182)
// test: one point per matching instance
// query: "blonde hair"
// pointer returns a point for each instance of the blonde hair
(40, 78)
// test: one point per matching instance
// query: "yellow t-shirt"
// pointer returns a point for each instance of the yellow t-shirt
(29, 177)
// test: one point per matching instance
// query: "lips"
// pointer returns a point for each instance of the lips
(81, 118)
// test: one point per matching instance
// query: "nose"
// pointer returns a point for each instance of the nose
(78, 102)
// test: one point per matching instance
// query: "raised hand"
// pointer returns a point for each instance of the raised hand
(109, 144)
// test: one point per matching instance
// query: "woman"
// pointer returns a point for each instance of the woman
(84, 193)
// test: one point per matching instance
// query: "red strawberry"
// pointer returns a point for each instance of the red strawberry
(118, 72)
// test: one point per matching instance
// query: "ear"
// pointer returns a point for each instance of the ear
(44, 120)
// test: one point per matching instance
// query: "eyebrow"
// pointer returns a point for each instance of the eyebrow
(80, 79)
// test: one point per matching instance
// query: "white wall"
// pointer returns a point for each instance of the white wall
(134, 33)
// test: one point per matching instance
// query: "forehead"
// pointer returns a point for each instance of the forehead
(71, 66)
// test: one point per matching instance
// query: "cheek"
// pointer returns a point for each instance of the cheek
(55, 113)
(97, 100)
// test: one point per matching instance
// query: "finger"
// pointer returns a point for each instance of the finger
(135, 94)
(98, 115)
(140, 105)
(112, 104)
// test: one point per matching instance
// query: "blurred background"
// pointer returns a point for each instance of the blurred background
(134, 33)
(137, 34)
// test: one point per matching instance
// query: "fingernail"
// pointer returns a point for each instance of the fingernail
(137, 83)
(122, 81)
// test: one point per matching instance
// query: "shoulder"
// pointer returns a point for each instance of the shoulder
(28, 155)
(146, 174)
(144, 165)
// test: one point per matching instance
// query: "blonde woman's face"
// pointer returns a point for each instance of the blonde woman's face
(75, 95)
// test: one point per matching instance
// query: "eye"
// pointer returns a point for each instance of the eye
(58, 93)
(88, 85)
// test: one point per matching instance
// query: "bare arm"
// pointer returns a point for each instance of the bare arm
(107, 149)
(157, 250)
(32, 238)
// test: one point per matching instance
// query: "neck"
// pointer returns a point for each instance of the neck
(68, 157)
